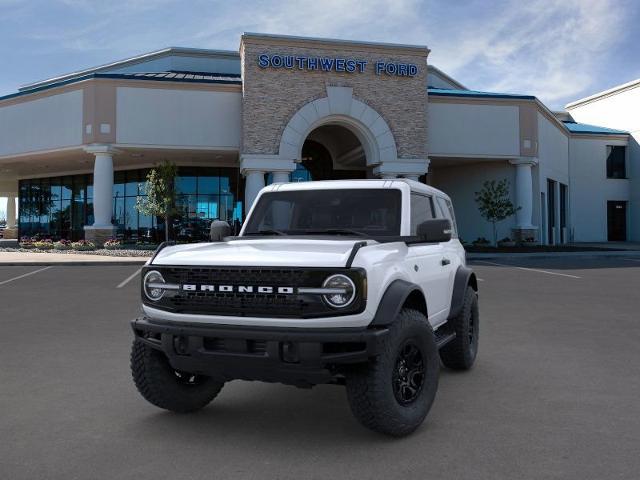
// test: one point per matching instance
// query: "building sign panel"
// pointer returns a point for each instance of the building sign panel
(336, 64)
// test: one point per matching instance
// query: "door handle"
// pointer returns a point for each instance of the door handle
(445, 261)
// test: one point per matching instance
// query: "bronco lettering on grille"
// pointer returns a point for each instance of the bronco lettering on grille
(191, 287)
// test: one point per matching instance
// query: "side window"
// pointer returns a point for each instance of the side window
(421, 210)
(616, 161)
(446, 209)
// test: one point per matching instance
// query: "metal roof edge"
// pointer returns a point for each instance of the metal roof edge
(446, 76)
(122, 76)
(477, 94)
(130, 61)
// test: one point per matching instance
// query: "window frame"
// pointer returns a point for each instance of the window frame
(412, 231)
(609, 170)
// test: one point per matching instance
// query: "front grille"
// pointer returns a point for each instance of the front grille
(251, 304)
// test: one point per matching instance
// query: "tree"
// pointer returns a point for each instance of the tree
(160, 200)
(494, 203)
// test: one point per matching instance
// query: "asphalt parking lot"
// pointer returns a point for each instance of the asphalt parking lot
(554, 394)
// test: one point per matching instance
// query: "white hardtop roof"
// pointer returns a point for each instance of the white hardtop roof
(399, 183)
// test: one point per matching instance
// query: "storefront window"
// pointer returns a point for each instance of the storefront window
(60, 207)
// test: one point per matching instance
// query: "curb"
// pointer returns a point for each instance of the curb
(81, 263)
(533, 255)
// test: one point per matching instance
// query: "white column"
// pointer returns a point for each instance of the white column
(402, 167)
(254, 183)
(254, 166)
(524, 191)
(281, 177)
(11, 211)
(413, 177)
(103, 190)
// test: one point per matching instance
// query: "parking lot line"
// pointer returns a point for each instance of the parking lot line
(25, 275)
(528, 269)
(129, 278)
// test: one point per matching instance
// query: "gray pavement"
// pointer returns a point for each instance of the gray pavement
(554, 393)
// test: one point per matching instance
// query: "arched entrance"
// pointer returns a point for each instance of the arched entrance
(333, 152)
(335, 121)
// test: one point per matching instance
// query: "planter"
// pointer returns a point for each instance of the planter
(83, 246)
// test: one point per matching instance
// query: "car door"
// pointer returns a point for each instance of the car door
(453, 252)
(425, 262)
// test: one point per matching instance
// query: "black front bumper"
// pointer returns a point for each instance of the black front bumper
(294, 356)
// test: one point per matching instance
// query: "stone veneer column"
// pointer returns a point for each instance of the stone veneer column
(524, 197)
(102, 228)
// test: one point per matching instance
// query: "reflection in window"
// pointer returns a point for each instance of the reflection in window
(59, 207)
(616, 161)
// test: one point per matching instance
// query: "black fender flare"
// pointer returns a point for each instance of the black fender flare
(393, 300)
(464, 278)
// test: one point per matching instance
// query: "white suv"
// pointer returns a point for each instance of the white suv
(360, 283)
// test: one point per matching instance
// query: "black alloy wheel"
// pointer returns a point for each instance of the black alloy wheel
(408, 374)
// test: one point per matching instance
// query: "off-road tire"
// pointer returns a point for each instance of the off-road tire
(162, 386)
(460, 353)
(371, 387)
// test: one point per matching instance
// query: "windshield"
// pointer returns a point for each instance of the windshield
(357, 212)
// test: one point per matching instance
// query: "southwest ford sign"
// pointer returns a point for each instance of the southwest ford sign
(331, 64)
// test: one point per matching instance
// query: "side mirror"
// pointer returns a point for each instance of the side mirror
(218, 230)
(435, 230)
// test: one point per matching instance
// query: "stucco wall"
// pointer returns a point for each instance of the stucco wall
(464, 129)
(165, 117)
(621, 111)
(461, 182)
(271, 96)
(590, 189)
(45, 123)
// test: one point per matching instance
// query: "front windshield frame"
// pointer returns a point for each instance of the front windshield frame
(344, 206)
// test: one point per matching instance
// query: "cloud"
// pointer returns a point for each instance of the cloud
(558, 50)
(551, 49)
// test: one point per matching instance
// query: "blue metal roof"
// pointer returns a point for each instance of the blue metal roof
(188, 77)
(575, 127)
(444, 92)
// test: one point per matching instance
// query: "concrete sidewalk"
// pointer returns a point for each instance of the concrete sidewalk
(33, 258)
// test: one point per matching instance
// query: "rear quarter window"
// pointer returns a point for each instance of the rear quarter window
(445, 208)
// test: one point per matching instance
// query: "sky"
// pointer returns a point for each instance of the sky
(558, 50)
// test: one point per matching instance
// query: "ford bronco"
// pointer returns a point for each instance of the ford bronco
(361, 283)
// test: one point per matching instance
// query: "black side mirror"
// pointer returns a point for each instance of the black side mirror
(435, 230)
(218, 230)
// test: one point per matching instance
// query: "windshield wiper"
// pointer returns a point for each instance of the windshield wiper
(336, 231)
(267, 232)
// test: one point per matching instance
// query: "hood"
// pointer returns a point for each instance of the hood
(279, 252)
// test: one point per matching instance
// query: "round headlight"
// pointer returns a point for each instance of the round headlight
(345, 291)
(152, 285)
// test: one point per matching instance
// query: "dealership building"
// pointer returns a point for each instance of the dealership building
(75, 149)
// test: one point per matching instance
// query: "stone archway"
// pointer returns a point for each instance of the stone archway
(340, 108)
